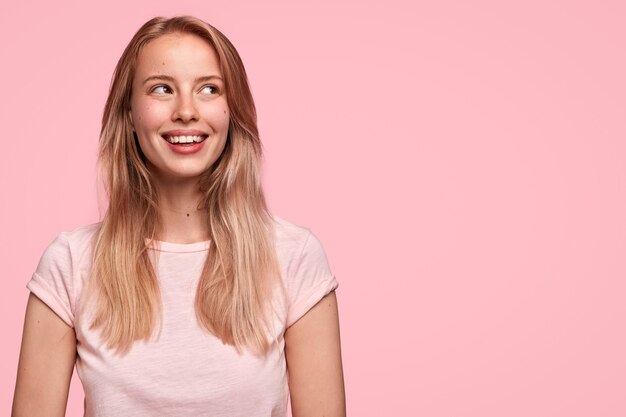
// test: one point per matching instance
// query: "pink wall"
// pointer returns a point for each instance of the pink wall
(462, 164)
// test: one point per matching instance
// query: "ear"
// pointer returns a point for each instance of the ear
(130, 117)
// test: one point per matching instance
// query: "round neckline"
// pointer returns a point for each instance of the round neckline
(163, 246)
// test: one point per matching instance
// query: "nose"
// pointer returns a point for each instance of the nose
(185, 109)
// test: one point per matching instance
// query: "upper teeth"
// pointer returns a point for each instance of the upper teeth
(184, 139)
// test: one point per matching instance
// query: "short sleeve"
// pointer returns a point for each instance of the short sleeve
(309, 280)
(52, 281)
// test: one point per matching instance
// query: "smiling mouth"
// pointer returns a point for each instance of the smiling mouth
(184, 140)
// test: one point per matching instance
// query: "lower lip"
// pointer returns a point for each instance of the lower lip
(186, 149)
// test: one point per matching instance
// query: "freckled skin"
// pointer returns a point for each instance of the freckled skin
(183, 103)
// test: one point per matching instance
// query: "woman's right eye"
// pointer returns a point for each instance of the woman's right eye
(160, 89)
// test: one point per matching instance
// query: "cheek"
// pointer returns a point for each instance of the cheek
(149, 116)
(225, 119)
(218, 116)
(148, 119)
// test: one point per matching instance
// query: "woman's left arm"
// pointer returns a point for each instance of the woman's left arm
(313, 353)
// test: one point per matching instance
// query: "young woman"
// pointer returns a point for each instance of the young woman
(188, 298)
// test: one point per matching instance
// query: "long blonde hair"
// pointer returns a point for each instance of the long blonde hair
(235, 288)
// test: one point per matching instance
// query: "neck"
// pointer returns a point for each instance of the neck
(183, 219)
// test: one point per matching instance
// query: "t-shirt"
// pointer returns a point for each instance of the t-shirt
(187, 371)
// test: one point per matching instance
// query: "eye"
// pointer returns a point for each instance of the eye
(210, 89)
(161, 89)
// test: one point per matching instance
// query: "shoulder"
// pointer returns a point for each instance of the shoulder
(71, 245)
(289, 234)
(307, 274)
(293, 240)
(57, 278)
(298, 246)
(79, 238)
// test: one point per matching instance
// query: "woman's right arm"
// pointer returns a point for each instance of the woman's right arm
(46, 363)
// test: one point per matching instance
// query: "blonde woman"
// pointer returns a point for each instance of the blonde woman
(189, 298)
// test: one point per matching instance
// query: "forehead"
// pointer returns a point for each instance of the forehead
(177, 54)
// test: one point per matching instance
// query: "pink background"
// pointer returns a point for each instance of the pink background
(463, 165)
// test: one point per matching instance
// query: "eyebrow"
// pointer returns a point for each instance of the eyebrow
(171, 79)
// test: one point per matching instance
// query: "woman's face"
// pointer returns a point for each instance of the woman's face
(178, 106)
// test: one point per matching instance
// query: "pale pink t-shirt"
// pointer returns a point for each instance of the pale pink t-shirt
(187, 372)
